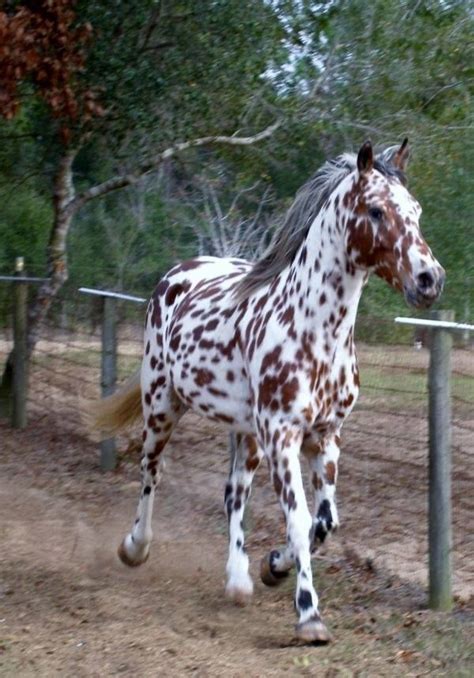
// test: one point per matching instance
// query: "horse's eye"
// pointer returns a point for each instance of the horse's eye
(375, 213)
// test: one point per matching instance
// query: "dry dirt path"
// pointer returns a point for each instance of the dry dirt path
(69, 608)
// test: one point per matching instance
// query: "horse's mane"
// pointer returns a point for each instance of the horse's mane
(308, 203)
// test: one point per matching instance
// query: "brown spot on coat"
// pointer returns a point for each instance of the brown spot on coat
(287, 317)
(190, 264)
(173, 292)
(203, 377)
(330, 472)
(311, 447)
(225, 418)
(269, 359)
(289, 392)
(266, 391)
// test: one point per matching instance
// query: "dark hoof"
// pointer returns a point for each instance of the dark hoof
(268, 575)
(126, 560)
(313, 631)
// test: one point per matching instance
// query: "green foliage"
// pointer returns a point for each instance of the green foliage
(126, 244)
(25, 222)
(26, 211)
(338, 72)
(174, 70)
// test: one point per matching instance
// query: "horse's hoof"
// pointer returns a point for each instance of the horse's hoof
(313, 631)
(268, 575)
(238, 595)
(127, 560)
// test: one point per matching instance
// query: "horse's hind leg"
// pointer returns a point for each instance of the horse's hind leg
(161, 416)
(247, 458)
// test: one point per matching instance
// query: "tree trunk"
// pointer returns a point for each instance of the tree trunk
(57, 255)
(57, 265)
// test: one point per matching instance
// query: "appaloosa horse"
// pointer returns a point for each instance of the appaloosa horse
(268, 349)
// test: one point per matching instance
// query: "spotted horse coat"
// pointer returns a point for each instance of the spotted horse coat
(268, 349)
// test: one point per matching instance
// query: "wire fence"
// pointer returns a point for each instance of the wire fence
(383, 481)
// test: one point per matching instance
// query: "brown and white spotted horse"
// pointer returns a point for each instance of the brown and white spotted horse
(267, 349)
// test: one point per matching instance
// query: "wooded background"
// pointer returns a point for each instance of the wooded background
(95, 95)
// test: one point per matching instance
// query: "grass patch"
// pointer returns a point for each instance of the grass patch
(382, 628)
(399, 388)
(87, 359)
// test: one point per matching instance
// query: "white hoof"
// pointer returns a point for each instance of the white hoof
(313, 631)
(239, 590)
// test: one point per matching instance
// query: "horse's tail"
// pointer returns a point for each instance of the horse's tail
(119, 410)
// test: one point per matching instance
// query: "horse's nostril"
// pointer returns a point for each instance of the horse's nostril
(425, 281)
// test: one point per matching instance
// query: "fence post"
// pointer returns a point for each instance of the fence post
(20, 354)
(439, 492)
(108, 454)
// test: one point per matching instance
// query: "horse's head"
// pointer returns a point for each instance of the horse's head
(382, 231)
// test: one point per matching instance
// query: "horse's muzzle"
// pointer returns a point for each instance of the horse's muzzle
(426, 288)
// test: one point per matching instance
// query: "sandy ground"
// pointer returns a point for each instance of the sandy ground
(382, 487)
(69, 608)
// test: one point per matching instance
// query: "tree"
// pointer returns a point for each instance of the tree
(148, 74)
(39, 42)
(127, 240)
(405, 69)
(227, 223)
(135, 79)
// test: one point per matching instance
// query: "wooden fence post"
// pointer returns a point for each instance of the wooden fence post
(20, 354)
(439, 501)
(108, 453)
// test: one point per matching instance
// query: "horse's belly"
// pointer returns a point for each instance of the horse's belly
(215, 394)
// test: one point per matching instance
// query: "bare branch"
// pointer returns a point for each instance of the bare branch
(216, 204)
(239, 194)
(153, 23)
(149, 165)
(229, 231)
(263, 201)
(439, 91)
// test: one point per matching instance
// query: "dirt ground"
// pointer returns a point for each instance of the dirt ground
(68, 607)
(383, 489)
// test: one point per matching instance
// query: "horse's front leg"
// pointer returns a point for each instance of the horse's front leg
(247, 458)
(323, 458)
(283, 453)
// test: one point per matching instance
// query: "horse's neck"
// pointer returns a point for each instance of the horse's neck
(335, 287)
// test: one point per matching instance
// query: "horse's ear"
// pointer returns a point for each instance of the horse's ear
(400, 158)
(365, 157)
